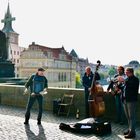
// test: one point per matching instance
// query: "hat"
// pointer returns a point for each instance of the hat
(41, 69)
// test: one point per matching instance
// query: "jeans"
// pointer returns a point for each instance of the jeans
(130, 111)
(31, 101)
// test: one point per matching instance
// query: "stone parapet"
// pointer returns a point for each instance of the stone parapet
(13, 95)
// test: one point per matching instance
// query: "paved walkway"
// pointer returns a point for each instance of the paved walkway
(12, 127)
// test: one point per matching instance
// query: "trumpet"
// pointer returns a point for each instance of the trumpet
(120, 79)
(113, 80)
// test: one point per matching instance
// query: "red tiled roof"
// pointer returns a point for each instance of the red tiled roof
(55, 51)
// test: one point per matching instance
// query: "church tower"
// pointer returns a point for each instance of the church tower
(12, 38)
(7, 29)
(11, 35)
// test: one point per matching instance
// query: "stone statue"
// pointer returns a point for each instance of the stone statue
(3, 47)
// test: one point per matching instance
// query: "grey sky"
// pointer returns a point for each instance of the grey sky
(108, 30)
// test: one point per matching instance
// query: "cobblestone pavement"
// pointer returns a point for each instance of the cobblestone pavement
(12, 127)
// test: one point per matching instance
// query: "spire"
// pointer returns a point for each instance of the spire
(8, 21)
(73, 53)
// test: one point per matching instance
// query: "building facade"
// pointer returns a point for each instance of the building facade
(81, 63)
(60, 66)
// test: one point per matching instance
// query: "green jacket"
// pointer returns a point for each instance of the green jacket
(30, 82)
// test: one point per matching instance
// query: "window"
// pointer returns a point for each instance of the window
(64, 76)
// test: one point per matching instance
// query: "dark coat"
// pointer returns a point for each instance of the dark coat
(131, 89)
(87, 80)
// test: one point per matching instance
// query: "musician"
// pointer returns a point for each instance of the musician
(38, 84)
(116, 88)
(87, 81)
(130, 95)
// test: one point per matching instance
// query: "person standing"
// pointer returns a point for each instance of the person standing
(117, 89)
(130, 95)
(87, 81)
(38, 85)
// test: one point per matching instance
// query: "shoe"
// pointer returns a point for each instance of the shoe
(130, 135)
(39, 122)
(126, 132)
(26, 122)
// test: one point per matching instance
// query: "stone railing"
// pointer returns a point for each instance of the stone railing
(13, 95)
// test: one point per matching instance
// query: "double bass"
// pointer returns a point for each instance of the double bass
(96, 102)
(97, 108)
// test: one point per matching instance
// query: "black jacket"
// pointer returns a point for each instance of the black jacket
(131, 89)
(87, 80)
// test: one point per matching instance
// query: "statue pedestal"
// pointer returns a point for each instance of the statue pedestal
(7, 69)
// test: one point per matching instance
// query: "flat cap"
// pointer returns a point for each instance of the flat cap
(41, 69)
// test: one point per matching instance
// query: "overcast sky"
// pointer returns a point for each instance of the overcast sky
(108, 30)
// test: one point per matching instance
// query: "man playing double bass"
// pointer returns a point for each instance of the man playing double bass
(87, 81)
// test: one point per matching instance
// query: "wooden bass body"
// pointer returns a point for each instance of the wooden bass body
(97, 104)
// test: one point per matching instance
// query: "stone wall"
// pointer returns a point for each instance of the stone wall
(13, 95)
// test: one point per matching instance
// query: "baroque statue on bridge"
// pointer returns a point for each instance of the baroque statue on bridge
(3, 47)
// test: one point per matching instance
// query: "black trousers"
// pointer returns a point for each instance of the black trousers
(86, 104)
(31, 101)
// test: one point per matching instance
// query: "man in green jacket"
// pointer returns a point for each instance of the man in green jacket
(38, 85)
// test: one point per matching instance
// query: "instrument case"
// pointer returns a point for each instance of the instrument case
(88, 126)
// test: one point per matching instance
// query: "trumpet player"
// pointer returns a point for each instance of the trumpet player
(116, 88)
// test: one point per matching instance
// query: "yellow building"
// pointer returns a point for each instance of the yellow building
(59, 64)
